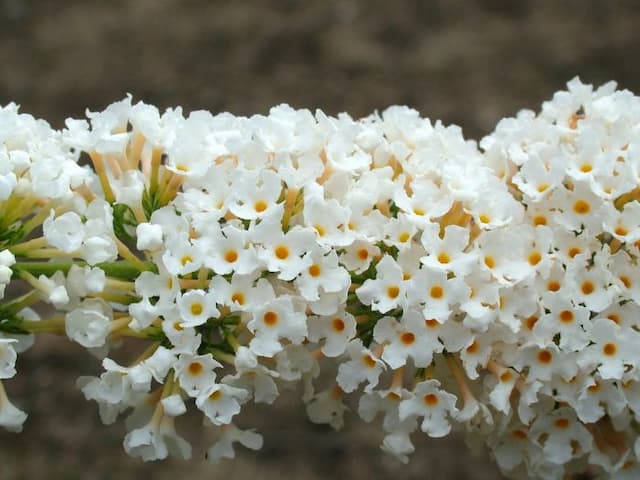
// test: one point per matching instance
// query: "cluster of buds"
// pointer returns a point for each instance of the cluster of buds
(438, 284)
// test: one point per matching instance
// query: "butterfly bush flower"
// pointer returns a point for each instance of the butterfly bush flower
(440, 284)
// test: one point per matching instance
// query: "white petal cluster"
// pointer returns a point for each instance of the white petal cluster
(489, 288)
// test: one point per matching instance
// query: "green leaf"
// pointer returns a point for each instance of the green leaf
(150, 203)
(394, 210)
(12, 324)
(124, 222)
(11, 235)
(157, 335)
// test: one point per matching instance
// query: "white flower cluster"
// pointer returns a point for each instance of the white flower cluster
(494, 290)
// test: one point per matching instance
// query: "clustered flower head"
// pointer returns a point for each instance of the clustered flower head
(436, 285)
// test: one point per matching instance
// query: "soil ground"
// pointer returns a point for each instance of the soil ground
(465, 62)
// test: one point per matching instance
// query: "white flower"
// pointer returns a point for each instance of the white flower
(407, 338)
(8, 358)
(7, 259)
(514, 304)
(321, 273)
(157, 440)
(432, 403)
(223, 448)
(358, 256)
(436, 293)
(399, 232)
(220, 402)
(160, 362)
(503, 253)
(447, 253)
(181, 255)
(11, 417)
(493, 207)
(388, 289)
(65, 232)
(626, 275)
(478, 350)
(173, 405)
(148, 236)
(196, 373)
(183, 340)
(599, 397)
(425, 202)
(228, 250)
(98, 244)
(295, 362)
(98, 249)
(337, 330)
(274, 320)
(158, 130)
(623, 225)
(253, 376)
(243, 293)
(118, 386)
(54, 288)
(613, 347)
(282, 252)
(544, 360)
(196, 307)
(255, 194)
(590, 286)
(82, 281)
(540, 174)
(327, 407)
(8, 180)
(327, 217)
(362, 366)
(88, 323)
(561, 436)
(399, 445)
(500, 396)
(579, 208)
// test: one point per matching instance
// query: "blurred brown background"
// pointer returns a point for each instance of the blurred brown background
(466, 62)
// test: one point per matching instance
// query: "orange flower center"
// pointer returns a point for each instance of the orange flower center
(282, 252)
(545, 356)
(566, 316)
(260, 206)
(443, 257)
(196, 309)
(231, 256)
(195, 368)
(314, 270)
(581, 207)
(609, 349)
(430, 400)
(436, 292)
(408, 338)
(270, 318)
(393, 291)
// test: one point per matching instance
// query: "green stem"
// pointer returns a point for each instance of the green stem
(46, 253)
(222, 356)
(128, 255)
(233, 342)
(14, 306)
(53, 324)
(115, 298)
(156, 160)
(24, 247)
(148, 333)
(119, 269)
